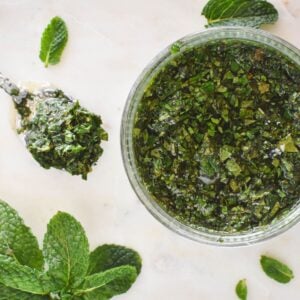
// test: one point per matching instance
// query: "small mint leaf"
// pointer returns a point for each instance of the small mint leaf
(241, 289)
(17, 240)
(23, 278)
(66, 250)
(53, 42)
(276, 269)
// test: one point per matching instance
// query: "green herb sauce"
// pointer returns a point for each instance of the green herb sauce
(217, 135)
(62, 134)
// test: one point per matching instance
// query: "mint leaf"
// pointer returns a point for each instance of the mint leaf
(23, 278)
(241, 289)
(225, 152)
(53, 42)
(251, 13)
(110, 256)
(107, 257)
(66, 250)
(93, 283)
(17, 240)
(276, 269)
(7, 293)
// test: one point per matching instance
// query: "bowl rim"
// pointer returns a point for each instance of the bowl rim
(206, 236)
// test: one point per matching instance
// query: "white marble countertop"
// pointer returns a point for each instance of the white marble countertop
(110, 43)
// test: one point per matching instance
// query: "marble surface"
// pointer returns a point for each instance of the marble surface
(110, 43)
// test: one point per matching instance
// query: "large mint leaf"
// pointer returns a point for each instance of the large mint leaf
(7, 293)
(66, 250)
(107, 257)
(53, 42)
(23, 278)
(94, 285)
(110, 256)
(251, 13)
(17, 240)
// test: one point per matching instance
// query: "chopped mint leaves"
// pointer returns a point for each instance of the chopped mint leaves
(64, 135)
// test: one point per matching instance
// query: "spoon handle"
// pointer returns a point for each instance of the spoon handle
(18, 95)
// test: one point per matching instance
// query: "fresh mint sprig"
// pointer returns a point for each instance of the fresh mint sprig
(72, 272)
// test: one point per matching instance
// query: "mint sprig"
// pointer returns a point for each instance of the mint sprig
(72, 272)
(53, 42)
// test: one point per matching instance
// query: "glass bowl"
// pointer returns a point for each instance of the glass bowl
(203, 235)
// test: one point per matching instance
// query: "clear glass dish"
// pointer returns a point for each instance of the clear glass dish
(203, 235)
